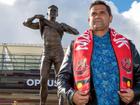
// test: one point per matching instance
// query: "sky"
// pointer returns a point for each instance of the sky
(126, 19)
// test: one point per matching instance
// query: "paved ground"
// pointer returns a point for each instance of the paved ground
(25, 99)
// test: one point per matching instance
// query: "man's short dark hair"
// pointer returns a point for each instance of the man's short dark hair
(100, 2)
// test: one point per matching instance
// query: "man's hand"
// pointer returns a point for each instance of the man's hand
(80, 98)
(127, 96)
(39, 16)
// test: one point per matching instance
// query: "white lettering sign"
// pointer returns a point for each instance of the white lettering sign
(36, 82)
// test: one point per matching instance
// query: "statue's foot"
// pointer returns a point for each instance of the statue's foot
(41, 103)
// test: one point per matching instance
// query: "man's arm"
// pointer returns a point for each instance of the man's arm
(69, 29)
(29, 22)
(136, 67)
(131, 95)
(65, 80)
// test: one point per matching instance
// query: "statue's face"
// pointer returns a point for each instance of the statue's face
(52, 12)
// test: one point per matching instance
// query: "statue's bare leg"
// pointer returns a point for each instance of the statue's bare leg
(57, 64)
(44, 74)
(61, 100)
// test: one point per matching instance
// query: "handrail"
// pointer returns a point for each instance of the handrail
(20, 62)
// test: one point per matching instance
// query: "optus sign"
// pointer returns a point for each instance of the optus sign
(36, 82)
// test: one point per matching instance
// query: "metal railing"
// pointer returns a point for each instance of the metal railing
(19, 62)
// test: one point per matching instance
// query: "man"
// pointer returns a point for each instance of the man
(101, 67)
(51, 33)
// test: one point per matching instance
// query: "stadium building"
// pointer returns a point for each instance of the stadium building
(19, 75)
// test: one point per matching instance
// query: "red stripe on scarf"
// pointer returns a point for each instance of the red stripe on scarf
(82, 56)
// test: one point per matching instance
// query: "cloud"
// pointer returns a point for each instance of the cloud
(8, 2)
(127, 23)
(133, 13)
(12, 17)
(134, 24)
(72, 12)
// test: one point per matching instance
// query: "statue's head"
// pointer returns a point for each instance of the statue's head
(52, 11)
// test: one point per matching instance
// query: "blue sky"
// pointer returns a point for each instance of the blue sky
(123, 5)
(126, 18)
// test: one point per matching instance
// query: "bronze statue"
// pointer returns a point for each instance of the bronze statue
(51, 33)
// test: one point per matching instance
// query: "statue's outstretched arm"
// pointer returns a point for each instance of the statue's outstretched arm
(29, 22)
(69, 29)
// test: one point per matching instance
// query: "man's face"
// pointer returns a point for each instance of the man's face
(52, 12)
(99, 18)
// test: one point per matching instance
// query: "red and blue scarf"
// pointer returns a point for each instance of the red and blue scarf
(82, 52)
